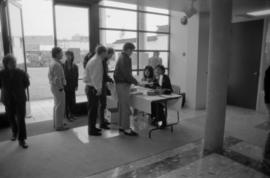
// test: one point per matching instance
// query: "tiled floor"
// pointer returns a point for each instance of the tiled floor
(177, 154)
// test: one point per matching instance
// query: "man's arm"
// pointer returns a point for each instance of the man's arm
(76, 76)
(26, 81)
(97, 75)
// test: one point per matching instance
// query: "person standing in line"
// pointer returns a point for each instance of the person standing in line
(57, 81)
(105, 91)
(155, 60)
(123, 79)
(13, 83)
(72, 76)
(93, 79)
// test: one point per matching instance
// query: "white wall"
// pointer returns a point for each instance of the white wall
(178, 58)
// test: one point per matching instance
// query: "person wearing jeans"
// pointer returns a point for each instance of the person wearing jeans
(93, 78)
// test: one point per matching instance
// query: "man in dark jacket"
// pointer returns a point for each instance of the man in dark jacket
(13, 83)
(103, 98)
(123, 79)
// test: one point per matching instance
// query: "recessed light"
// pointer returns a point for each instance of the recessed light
(260, 12)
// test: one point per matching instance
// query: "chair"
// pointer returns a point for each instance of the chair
(177, 90)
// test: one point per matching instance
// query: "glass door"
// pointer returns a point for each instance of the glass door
(72, 33)
(16, 35)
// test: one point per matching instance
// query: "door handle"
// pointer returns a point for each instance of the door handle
(255, 73)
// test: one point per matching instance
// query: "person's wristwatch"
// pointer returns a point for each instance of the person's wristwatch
(61, 89)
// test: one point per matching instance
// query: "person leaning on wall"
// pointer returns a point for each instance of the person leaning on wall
(13, 83)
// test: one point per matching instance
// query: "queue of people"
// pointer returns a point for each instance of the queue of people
(63, 79)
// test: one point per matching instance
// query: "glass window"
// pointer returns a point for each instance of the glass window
(120, 19)
(145, 56)
(38, 30)
(130, 5)
(153, 41)
(16, 33)
(116, 39)
(153, 22)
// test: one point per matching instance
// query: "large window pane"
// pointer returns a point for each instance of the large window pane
(145, 56)
(130, 5)
(121, 19)
(153, 22)
(117, 39)
(153, 41)
(73, 34)
(38, 30)
(16, 34)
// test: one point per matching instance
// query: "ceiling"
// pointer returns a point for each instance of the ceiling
(240, 7)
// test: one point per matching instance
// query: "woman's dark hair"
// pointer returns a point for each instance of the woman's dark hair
(151, 72)
(128, 46)
(161, 67)
(56, 51)
(70, 53)
(110, 50)
(7, 59)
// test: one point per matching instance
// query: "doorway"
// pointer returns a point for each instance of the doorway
(245, 63)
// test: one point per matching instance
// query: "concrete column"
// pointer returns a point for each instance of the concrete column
(197, 60)
(219, 55)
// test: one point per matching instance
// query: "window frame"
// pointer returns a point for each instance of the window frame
(138, 32)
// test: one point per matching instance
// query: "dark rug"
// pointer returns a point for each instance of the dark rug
(42, 127)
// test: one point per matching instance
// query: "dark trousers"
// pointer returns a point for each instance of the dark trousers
(16, 112)
(70, 102)
(103, 105)
(159, 112)
(93, 101)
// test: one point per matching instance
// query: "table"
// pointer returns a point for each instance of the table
(143, 102)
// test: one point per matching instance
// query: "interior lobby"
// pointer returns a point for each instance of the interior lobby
(215, 53)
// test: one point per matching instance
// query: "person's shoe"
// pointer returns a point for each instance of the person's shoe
(13, 138)
(105, 127)
(23, 144)
(106, 122)
(94, 133)
(130, 132)
(62, 128)
(121, 130)
(97, 129)
(163, 125)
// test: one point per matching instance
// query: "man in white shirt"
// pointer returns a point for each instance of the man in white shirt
(93, 79)
(155, 60)
(57, 81)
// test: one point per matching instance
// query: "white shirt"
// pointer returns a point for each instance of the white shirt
(93, 74)
(160, 80)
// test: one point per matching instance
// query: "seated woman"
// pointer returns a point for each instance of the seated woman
(148, 77)
(162, 83)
